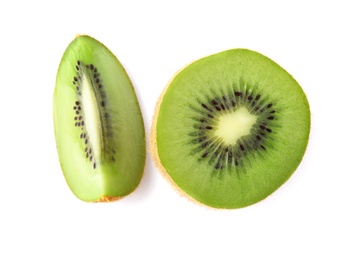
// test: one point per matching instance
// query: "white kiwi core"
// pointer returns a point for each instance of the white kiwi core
(235, 125)
(92, 116)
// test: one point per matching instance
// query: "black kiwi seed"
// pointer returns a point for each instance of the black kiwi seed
(92, 72)
(205, 144)
(252, 139)
(206, 107)
(201, 139)
(242, 147)
(217, 166)
(222, 155)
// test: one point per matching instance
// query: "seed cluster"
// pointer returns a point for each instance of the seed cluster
(212, 148)
(90, 71)
(80, 122)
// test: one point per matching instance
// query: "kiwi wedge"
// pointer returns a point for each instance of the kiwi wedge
(230, 129)
(99, 128)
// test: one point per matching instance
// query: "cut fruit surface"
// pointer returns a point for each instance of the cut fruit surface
(230, 128)
(98, 123)
(234, 125)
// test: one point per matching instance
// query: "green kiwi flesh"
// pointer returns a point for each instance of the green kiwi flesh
(99, 128)
(230, 129)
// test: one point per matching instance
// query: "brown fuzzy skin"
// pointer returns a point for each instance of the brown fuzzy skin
(154, 149)
(105, 198)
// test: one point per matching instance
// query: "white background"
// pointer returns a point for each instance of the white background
(315, 215)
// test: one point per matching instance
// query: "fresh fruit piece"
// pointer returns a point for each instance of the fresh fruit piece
(99, 128)
(230, 129)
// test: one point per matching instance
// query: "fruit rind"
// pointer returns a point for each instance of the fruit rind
(154, 150)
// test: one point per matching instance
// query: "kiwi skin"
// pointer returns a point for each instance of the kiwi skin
(165, 173)
(120, 165)
(155, 155)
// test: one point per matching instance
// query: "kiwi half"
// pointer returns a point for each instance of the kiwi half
(230, 129)
(99, 128)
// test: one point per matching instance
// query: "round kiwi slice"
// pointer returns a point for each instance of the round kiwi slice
(99, 128)
(230, 128)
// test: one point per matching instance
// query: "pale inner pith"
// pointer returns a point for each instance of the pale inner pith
(92, 118)
(235, 125)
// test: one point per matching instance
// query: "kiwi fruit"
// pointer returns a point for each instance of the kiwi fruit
(98, 123)
(230, 129)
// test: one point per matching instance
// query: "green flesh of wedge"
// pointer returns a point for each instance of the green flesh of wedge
(98, 124)
(231, 128)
